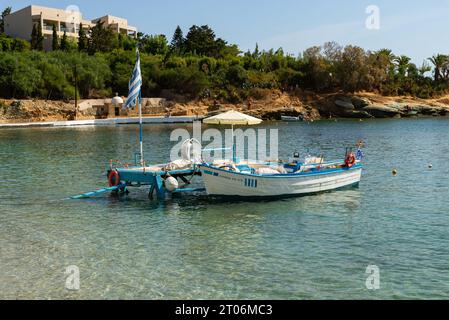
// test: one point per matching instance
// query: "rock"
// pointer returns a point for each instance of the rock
(428, 110)
(380, 111)
(347, 105)
(215, 107)
(180, 113)
(397, 106)
(360, 103)
(357, 114)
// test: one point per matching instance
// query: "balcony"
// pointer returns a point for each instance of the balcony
(47, 25)
(69, 28)
(49, 28)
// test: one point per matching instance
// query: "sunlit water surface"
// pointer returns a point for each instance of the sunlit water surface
(194, 247)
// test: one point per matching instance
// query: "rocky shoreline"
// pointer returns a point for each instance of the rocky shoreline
(269, 106)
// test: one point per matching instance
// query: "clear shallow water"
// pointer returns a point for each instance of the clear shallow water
(192, 247)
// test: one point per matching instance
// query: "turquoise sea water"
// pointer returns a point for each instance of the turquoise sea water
(314, 247)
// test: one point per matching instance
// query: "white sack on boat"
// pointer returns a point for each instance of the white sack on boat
(179, 164)
(262, 171)
(282, 170)
(314, 160)
(220, 163)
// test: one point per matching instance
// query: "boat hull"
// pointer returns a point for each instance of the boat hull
(220, 182)
(288, 118)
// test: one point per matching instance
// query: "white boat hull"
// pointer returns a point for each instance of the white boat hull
(288, 118)
(225, 183)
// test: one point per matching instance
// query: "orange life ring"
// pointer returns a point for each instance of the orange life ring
(114, 178)
(350, 160)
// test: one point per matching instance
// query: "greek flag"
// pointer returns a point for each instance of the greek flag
(360, 154)
(135, 83)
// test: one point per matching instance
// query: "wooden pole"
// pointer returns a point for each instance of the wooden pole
(76, 94)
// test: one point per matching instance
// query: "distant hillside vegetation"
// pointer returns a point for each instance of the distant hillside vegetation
(201, 65)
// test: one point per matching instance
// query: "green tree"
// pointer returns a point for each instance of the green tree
(201, 41)
(17, 75)
(82, 39)
(55, 41)
(54, 84)
(386, 58)
(156, 44)
(64, 42)
(440, 62)
(317, 70)
(5, 12)
(425, 67)
(37, 39)
(20, 45)
(34, 37)
(402, 64)
(353, 69)
(237, 76)
(256, 53)
(177, 42)
(102, 39)
(40, 38)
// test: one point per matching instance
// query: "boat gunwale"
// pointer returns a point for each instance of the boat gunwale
(287, 175)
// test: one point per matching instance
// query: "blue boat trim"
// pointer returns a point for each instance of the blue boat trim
(277, 197)
(187, 190)
(98, 192)
(288, 175)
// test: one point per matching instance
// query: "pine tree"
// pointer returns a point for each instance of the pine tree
(39, 38)
(5, 12)
(34, 38)
(256, 53)
(64, 44)
(120, 41)
(102, 39)
(55, 41)
(177, 43)
(82, 39)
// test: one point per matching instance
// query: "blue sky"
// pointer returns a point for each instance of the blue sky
(418, 29)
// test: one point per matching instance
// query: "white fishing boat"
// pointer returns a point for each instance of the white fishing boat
(279, 179)
(291, 118)
(252, 179)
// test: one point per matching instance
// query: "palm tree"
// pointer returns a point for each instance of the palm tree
(424, 68)
(388, 54)
(402, 63)
(440, 62)
(385, 58)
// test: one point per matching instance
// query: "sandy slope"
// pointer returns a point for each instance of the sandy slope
(270, 105)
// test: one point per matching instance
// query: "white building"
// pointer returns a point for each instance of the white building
(19, 24)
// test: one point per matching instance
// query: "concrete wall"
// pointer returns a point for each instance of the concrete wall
(117, 24)
(19, 24)
(57, 14)
(103, 108)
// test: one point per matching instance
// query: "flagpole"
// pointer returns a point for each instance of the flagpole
(142, 162)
